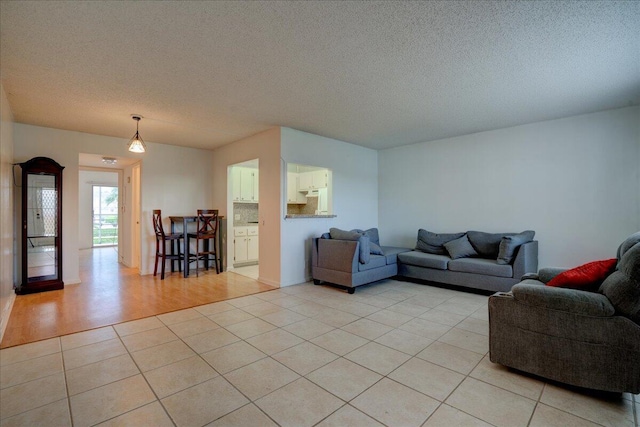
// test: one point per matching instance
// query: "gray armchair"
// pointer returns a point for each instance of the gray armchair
(586, 339)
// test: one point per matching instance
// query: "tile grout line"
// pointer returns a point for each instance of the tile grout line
(636, 415)
(66, 382)
(250, 401)
(145, 380)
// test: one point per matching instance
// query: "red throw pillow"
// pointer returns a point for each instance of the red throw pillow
(586, 277)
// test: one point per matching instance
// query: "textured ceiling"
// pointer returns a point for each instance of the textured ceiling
(377, 74)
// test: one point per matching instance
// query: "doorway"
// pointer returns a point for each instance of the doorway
(108, 202)
(243, 206)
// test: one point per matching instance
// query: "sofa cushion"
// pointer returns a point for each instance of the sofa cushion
(586, 277)
(375, 262)
(433, 243)
(365, 249)
(622, 287)
(487, 267)
(509, 245)
(375, 249)
(339, 234)
(373, 235)
(460, 248)
(422, 259)
(486, 244)
(391, 253)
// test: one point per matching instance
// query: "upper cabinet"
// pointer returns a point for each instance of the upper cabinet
(245, 184)
(294, 196)
(314, 180)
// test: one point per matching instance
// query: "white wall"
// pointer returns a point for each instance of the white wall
(575, 181)
(264, 146)
(355, 196)
(174, 179)
(89, 178)
(7, 295)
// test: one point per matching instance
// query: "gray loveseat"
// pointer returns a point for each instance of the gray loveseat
(586, 339)
(487, 261)
(346, 258)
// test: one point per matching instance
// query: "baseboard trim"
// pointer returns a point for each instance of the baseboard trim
(269, 282)
(6, 313)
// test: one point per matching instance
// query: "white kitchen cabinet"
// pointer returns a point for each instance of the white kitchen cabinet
(293, 195)
(245, 187)
(314, 180)
(252, 244)
(245, 245)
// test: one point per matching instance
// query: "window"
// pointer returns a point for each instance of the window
(105, 215)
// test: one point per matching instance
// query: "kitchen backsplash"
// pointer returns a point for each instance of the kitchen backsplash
(308, 209)
(248, 213)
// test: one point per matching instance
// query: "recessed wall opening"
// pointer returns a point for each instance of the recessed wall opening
(244, 213)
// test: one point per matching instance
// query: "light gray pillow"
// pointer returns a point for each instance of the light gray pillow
(338, 234)
(486, 244)
(460, 248)
(375, 248)
(371, 233)
(365, 249)
(509, 245)
(433, 243)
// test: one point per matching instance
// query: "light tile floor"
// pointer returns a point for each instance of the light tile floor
(394, 353)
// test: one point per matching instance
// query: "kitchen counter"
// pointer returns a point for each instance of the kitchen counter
(296, 216)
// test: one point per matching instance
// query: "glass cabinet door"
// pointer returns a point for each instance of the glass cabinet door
(42, 210)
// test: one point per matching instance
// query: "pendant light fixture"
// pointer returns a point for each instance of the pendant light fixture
(136, 144)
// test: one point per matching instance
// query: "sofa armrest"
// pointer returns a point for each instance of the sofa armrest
(546, 274)
(526, 261)
(340, 255)
(534, 293)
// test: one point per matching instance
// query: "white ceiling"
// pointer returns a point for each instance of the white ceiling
(377, 74)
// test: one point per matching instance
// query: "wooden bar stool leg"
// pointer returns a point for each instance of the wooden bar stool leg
(164, 258)
(179, 260)
(173, 263)
(155, 268)
(205, 248)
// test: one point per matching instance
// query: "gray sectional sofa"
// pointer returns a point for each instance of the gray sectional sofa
(477, 260)
(478, 267)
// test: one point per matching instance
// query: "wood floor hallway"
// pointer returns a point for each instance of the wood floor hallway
(110, 293)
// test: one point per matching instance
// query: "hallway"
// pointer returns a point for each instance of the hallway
(110, 293)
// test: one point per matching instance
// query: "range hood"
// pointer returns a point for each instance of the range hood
(313, 193)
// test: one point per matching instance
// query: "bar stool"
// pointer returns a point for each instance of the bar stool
(161, 249)
(206, 231)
